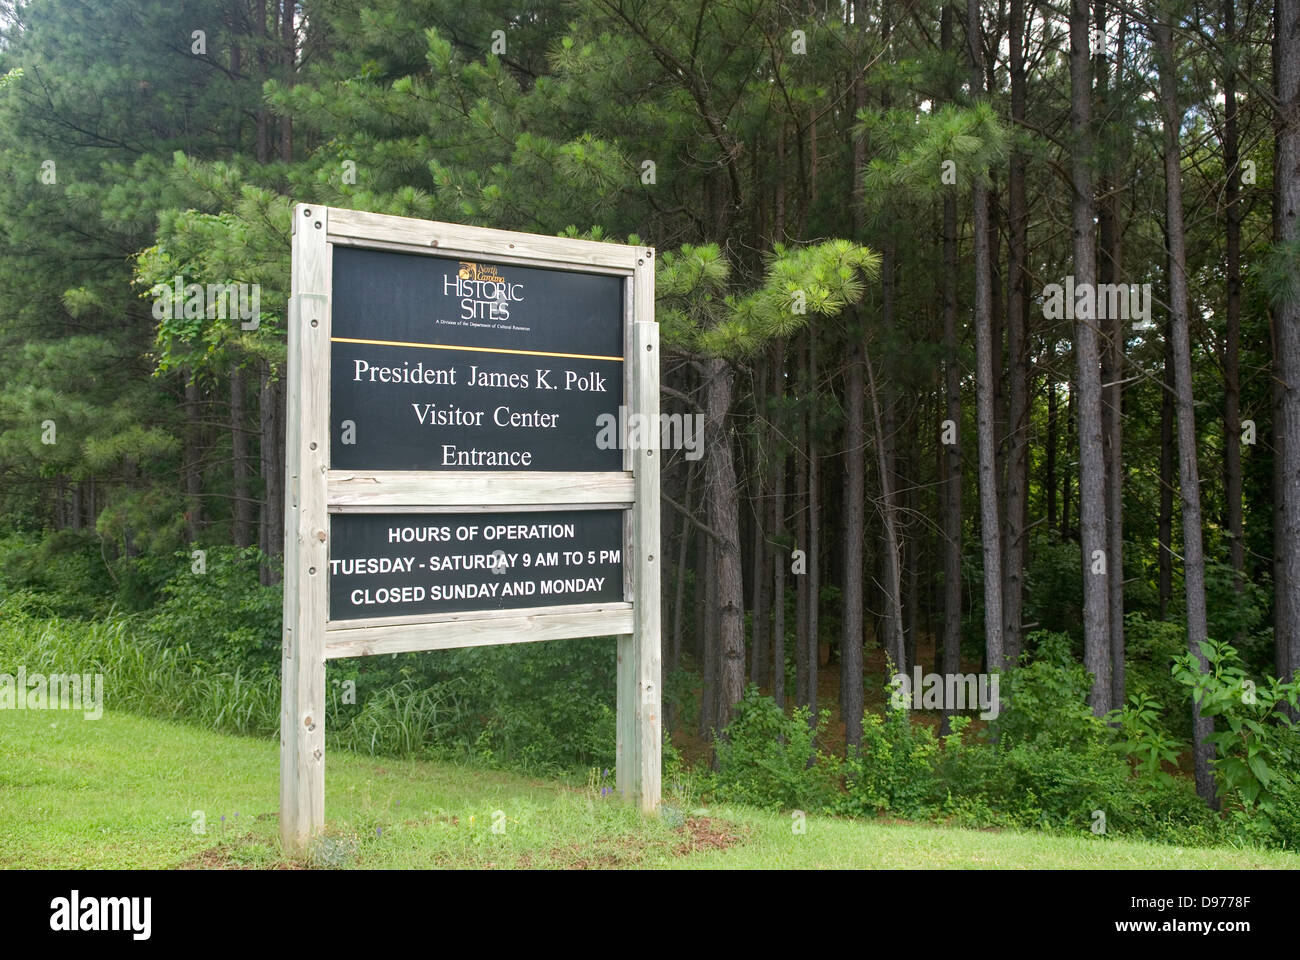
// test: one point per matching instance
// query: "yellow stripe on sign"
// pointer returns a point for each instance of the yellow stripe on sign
(443, 346)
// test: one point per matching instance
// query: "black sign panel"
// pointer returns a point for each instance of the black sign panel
(441, 364)
(389, 565)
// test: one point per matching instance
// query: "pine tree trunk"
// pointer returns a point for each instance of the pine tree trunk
(75, 508)
(263, 115)
(893, 639)
(912, 554)
(1017, 485)
(724, 519)
(814, 535)
(854, 505)
(242, 522)
(683, 552)
(952, 461)
(778, 554)
(1112, 373)
(1284, 604)
(854, 543)
(1067, 477)
(1165, 523)
(758, 647)
(709, 648)
(1234, 519)
(288, 60)
(801, 580)
(1092, 468)
(1049, 456)
(1188, 470)
(193, 459)
(990, 522)
(271, 434)
(1287, 321)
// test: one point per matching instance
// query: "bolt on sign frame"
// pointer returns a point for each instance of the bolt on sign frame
(317, 494)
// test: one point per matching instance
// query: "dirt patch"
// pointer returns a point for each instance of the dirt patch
(231, 855)
(704, 833)
(697, 835)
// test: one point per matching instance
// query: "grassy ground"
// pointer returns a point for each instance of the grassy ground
(123, 791)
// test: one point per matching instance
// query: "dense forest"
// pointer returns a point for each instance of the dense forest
(990, 313)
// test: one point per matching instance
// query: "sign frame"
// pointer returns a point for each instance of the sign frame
(313, 492)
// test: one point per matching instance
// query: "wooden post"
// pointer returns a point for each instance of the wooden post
(302, 695)
(640, 698)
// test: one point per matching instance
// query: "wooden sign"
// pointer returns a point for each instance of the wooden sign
(456, 470)
(447, 364)
(398, 564)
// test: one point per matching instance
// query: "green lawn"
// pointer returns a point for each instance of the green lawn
(122, 792)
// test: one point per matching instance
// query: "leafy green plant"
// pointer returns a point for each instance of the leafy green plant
(1285, 818)
(1047, 699)
(894, 772)
(1150, 649)
(222, 615)
(770, 759)
(1258, 753)
(1143, 738)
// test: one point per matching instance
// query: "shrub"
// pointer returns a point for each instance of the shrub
(1259, 751)
(1151, 646)
(1047, 700)
(1286, 814)
(537, 706)
(895, 770)
(770, 759)
(1143, 738)
(1053, 587)
(62, 574)
(223, 616)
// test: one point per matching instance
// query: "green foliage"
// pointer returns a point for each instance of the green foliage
(1259, 752)
(404, 718)
(222, 616)
(1143, 738)
(60, 575)
(1285, 816)
(1046, 700)
(915, 147)
(770, 759)
(698, 311)
(1241, 614)
(141, 674)
(210, 657)
(538, 706)
(895, 771)
(1053, 585)
(1151, 647)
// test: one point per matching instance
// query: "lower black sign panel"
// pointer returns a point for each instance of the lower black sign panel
(390, 565)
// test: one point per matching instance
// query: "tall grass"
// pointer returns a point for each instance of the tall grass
(145, 676)
(401, 719)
